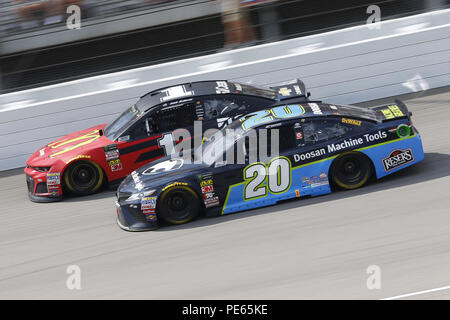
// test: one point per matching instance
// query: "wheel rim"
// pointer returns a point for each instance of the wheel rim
(351, 171)
(84, 176)
(177, 202)
(178, 206)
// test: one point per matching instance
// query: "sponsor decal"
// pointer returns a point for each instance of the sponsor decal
(150, 216)
(397, 158)
(222, 122)
(199, 111)
(310, 155)
(148, 203)
(112, 156)
(79, 157)
(137, 181)
(175, 92)
(352, 121)
(115, 165)
(82, 141)
(297, 89)
(148, 207)
(53, 179)
(299, 135)
(349, 143)
(124, 138)
(315, 108)
(174, 185)
(165, 166)
(211, 202)
(210, 199)
(111, 152)
(53, 183)
(392, 111)
(345, 144)
(222, 87)
(285, 92)
(206, 183)
(315, 181)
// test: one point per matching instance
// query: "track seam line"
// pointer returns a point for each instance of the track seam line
(417, 293)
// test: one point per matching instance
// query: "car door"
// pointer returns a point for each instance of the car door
(312, 158)
(264, 181)
(152, 137)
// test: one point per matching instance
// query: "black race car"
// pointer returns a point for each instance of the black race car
(319, 145)
(83, 162)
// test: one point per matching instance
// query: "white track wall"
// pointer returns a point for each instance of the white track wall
(346, 66)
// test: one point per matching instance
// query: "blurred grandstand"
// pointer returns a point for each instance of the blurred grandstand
(36, 47)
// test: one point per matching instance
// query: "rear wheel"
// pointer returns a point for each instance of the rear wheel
(178, 205)
(351, 170)
(84, 178)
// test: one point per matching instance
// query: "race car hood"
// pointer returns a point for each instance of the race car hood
(69, 146)
(160, 173)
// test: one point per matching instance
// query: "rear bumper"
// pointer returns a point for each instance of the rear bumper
(131, 218)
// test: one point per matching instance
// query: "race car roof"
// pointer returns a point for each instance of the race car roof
(201, 88)
(314, 109)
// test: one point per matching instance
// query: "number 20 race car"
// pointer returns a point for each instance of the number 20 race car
(83, 162)
(319, 146)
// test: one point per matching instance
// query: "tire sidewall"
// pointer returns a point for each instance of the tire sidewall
(366, 174)
(193, 201)
(96, 186)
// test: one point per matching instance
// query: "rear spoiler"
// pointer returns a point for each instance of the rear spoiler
(393, 111)
(291, 89)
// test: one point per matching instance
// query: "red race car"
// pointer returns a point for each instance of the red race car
(83, 162)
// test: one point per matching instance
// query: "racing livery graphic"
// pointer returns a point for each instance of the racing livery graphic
(321, 147)
(84, 162)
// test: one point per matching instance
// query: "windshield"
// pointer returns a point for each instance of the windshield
(115, 128)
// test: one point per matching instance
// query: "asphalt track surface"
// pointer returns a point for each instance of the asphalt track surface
(318, 248)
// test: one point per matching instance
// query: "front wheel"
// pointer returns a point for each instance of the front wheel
(178, 205)
(351, 170)
(84, 178)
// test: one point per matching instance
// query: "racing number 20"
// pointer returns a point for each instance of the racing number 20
(263, 116)
(274, 177)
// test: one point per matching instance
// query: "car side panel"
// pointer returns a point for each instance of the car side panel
(312, 179)
(380, 154)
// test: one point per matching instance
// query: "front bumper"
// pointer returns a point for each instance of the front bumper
(131, 218)
(38, 188)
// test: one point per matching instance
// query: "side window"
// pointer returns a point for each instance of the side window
(317, 130)
(219, 107)
(173, 117)
(230, 106)
(283, 136)
(164, 120)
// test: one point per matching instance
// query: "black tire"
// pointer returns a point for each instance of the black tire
(351, 170)
(178, 205)
(84, 178)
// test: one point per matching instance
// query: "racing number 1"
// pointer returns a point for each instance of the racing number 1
(166, 142)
